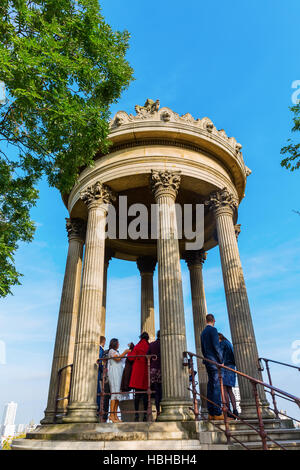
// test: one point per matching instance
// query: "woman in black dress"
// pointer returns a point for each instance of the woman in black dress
(127, 372)
(229, 377)
(155, 372)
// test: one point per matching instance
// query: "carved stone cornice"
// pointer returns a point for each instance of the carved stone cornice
(150, 107)
(165, 183)
(146, 264)
(237, 229)
(98, 194)
(76, 228)
(195, 257)
(151, 111)
(222, 200)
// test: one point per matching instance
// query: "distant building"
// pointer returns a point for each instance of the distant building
(236, 392)
(8, 427)
(9, 414)
(20, 428)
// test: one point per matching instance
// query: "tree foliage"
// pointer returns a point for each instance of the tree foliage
(292, 150)
(63, 66)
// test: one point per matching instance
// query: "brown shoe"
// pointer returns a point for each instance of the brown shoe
(219, 418)
(211, 417)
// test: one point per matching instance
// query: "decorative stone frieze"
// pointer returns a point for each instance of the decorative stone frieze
(97, 194)
(146, 264)
(165, 183)
(76, 228)
(151, 111)
(195, 257)
(222, 199)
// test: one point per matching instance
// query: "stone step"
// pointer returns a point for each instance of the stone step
(239, 425)
(115, 427)
(110, 436)
(116, 431)
(288, 445)
(192, 444)
(276, 434)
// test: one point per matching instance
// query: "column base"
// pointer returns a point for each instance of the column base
(176, 410)
(81, 413)
(249, 410)
(49, 417)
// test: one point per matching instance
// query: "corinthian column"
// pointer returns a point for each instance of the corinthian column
(146, 265)
(195, 260)
(223, 205)
(175, 382)
(82, 406)
(67, 319)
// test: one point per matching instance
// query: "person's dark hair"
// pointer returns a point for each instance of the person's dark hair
(114, 344)
(222, 337)
(102, 338)
(145, 336)
(131, 346)
(158, 334)
(210, 318)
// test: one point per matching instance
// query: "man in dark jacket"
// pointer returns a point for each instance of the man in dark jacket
(210, 346)
(101, 365)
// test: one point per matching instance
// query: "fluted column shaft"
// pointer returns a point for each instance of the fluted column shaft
(108, 255)
(241, 326)
(67, 320)
(195, 260)
(146, 265)
(175, 382)
(82, 406)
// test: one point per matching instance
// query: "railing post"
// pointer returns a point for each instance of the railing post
(57, 396)
(71, 374)
(262, 432)
(194, 390)
(224, 406)
(272, 391)
(149, 409)
(102, 392)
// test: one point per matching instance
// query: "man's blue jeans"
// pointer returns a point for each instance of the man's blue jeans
(213, 391)
(99, 391)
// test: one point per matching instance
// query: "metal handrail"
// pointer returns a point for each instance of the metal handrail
(277, 362)
(255, 382)
(272, 392)
(252, 379)
(149, 392)
(229, 434)
(57, 398)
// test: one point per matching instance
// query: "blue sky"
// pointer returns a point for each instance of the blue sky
(234, 62)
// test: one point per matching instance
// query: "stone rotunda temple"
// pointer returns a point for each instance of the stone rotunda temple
(156, 157)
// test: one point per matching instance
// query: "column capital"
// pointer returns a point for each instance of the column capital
(96, 195)
(165, 183)
(76, 228)
(109, 253)
(237, 229)
(146, 264)
(222, 201)
(195, 257)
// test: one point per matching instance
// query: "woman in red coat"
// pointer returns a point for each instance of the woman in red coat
(139, 374)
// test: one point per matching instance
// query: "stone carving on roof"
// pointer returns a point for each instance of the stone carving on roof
(151, 111)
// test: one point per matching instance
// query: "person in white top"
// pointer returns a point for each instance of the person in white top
(115, 372)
